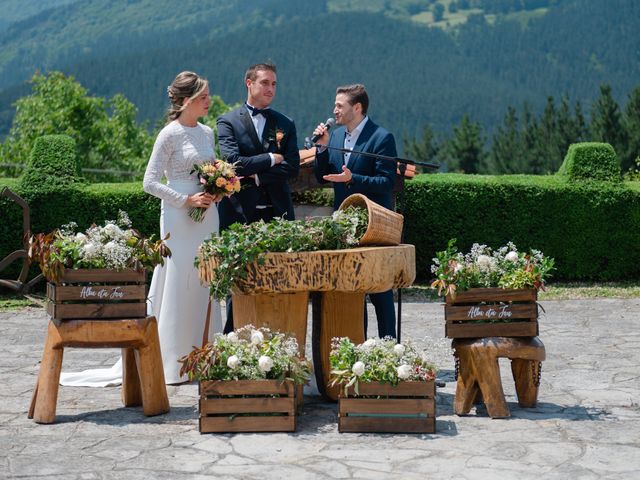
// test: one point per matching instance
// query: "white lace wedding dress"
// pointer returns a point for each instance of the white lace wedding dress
(176, 298)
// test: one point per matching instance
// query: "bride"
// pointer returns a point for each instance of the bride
(176, 298)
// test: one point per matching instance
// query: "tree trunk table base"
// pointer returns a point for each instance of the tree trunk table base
(479, 372)
(142, 371)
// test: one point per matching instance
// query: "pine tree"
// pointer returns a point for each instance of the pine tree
(548, 144)
(424, 150)
(631, 121)
(467, 145)
(606, 121)
(506, 154)
(533, 158)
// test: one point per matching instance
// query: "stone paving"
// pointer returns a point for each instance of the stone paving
(586, 425)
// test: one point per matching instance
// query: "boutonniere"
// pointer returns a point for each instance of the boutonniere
(276, 137)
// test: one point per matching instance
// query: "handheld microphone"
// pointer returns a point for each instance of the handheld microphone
(329, 123)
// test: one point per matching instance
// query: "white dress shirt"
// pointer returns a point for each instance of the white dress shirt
(351, 138)
(259, 121)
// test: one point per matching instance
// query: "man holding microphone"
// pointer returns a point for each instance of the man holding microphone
(350, 172)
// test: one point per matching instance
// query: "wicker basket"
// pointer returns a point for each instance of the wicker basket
(385, 226)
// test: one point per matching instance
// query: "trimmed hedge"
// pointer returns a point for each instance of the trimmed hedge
(591, 161)
(83, 204)
(592, 229)
(52, 164)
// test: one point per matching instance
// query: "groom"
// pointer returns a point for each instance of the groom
(353, 173)
(263, 144)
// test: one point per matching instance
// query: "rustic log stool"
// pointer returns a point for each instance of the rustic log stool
(479, 372)
(142, 371)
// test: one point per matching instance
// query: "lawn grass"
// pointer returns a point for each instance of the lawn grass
(554, 291)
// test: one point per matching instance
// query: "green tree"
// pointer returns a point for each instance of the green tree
(438, 12)
(106, 132)
(423, 150)
(533, 159)
(467, 145)
(631, 122)
(548, 139)
(506, 155)
(606, 121)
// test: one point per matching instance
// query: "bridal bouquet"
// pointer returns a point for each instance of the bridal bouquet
(378, 360)
(112, 246)
(217, 178)
(248, 353)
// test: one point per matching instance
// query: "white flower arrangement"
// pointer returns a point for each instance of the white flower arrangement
(483, 267)
(112, 246)
(248, 353)
(378, 360)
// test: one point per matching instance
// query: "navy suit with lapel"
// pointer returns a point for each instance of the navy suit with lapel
(371, 177)
(374, 178)
(239, 143)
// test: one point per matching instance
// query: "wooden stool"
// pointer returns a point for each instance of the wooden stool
(479, 370)
(142, 371)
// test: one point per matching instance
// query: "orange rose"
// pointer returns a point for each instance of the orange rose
(220, 182)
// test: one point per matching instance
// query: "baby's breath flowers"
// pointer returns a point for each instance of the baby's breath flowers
(483, 267)
(113, 246)
(378, 360)
(248, 353)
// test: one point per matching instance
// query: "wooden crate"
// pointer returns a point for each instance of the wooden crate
(492, 312)
(97, 294)
(409, 407)
(247, 406)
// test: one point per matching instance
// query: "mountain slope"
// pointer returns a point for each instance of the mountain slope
(416, 75)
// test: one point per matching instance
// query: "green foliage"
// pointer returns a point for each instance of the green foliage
(52, 165)
(591, 229)
(377, 360)
(424, 150)
(591, 161)
(106, 132)
(483, 267)
(248, 354)
(242, 244)
(465, 149)
(137, 48)
(606, 120)
(631, 122)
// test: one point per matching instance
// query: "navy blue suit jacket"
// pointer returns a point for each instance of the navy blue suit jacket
(372, 177)
(240, 144)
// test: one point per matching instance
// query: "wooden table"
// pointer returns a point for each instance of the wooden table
(276, 295)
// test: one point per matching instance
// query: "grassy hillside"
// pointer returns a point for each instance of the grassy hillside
(416, 74)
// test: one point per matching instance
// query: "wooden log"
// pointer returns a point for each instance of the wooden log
(479, 368)
(46, 397)
(358, 270)
(151, 372)
(131, 391)
(340, 315)
(525, 374)
(285, 313)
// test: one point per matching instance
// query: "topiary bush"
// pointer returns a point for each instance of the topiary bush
(592, 229)
(591, 161)
(52, 165)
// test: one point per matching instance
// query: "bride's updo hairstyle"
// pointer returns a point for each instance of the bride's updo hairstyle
(185, 86)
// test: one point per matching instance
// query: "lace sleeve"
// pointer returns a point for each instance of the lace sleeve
(162, 151)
